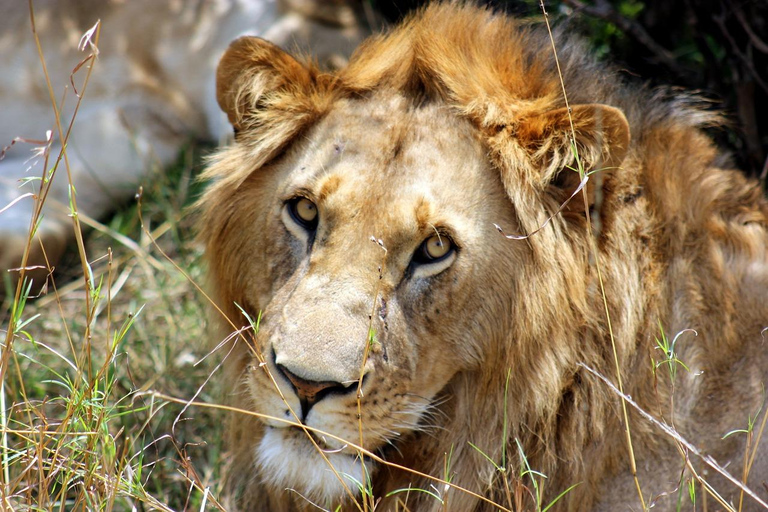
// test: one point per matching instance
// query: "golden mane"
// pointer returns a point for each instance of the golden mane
(680, 241)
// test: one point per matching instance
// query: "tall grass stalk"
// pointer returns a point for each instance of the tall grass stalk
(596, 256)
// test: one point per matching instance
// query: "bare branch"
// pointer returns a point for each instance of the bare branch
(671, 432)
(720, 21)
(605, 11)
(758, 43)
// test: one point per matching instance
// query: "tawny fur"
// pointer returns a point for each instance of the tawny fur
(680, 239)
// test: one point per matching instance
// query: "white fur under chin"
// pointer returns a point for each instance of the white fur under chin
(295, 464)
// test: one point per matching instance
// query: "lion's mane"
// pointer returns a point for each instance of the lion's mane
(677, 241)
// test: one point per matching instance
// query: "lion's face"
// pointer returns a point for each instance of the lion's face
(369, 237)
(357, 214)
(361, 224)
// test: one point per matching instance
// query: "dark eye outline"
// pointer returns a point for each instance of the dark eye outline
(421, 255)
(292, 204)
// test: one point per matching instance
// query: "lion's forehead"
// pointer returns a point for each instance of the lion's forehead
(390, 165)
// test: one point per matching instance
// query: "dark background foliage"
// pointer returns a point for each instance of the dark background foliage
(716, 48)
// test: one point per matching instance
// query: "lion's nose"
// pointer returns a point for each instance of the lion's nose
(310, 392)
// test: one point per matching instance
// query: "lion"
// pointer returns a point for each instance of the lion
(399, 349)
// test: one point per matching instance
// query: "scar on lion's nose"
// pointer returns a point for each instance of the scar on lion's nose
(310, 392)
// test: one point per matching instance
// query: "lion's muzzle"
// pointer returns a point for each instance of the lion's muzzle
(310, 392)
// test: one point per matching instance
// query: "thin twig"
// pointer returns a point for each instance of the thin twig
(758, 43)
(745, 59)
(708, 459)
(605, 11)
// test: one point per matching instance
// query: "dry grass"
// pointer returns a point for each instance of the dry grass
(83, 427)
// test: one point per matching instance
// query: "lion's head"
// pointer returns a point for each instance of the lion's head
(357, 213)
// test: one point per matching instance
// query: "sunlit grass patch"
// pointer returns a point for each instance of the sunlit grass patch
(82, 427)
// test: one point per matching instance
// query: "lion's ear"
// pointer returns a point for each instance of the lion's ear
(253, 76)
(601, 141)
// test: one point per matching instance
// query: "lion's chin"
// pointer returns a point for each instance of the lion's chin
(288, 460)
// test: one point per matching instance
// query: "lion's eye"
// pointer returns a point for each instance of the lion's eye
(303, 212)
(433, 249)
